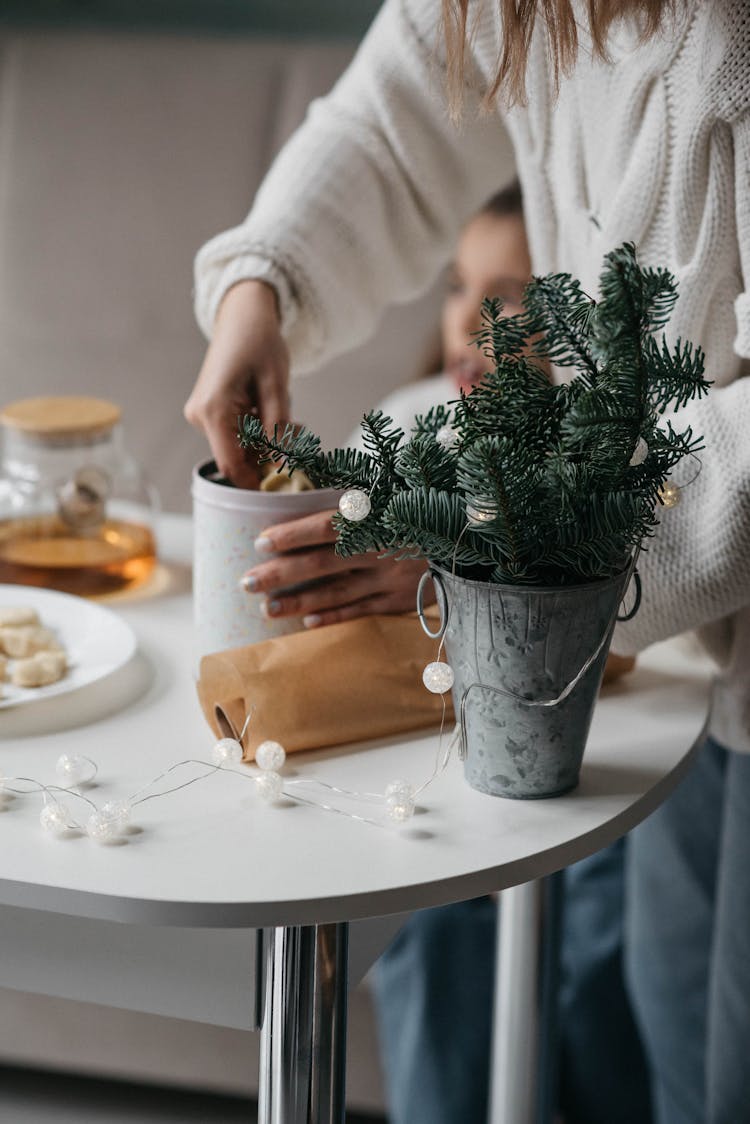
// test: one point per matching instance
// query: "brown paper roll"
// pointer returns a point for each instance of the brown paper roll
(328, 686)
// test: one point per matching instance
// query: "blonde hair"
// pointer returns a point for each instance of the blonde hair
(518, 22)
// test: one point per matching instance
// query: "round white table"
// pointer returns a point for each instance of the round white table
(214, 856)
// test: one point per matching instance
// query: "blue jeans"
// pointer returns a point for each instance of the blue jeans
(434, 993)
(603, 1069)
(689, 942)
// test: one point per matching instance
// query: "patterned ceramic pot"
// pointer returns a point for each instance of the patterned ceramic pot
(226, 523)
(514, 651)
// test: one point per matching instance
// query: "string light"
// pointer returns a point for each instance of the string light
(640, 452)
(269, 785)
(55, 818)
(270, 755)
(447, 437)
(480, 511)
(438, 677)
(669, 495)
(355, 505)
(74, 770)
(400, 801)
(101, 828)
(119, 812)
(109, 823)
(226, 750)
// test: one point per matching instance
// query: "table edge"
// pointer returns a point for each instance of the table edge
(352, 907)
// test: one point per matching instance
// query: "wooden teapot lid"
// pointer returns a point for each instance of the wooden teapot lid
(64, 416)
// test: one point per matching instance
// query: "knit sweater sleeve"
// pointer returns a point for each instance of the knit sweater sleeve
(696, 569)
(364, 203)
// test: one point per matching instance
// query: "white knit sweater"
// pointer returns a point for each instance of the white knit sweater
(365, 203)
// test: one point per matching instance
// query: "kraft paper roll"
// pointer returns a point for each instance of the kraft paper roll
(343, 683)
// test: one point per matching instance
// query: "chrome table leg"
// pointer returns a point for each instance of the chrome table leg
(303, 1024)
(515, 1031)
(525, 1032)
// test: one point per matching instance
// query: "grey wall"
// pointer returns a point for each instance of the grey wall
(287, 17)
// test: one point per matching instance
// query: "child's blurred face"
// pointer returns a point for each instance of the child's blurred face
(492, 260)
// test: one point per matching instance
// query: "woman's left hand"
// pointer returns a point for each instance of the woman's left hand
(344, 587)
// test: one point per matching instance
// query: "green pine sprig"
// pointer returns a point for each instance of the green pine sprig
(550, 468)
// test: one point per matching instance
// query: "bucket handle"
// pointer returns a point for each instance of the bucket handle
(440, 597)
(636, 579)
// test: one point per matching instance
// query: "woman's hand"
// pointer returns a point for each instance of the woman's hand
(246, 370)
(616, 667)
(344, 587)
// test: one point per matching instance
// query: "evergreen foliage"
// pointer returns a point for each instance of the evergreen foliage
(538, 486)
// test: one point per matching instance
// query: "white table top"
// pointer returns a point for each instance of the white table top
(214, 855)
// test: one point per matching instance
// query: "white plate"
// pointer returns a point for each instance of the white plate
(95, 639)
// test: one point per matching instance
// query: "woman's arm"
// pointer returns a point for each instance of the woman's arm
(365, 201)
(697, 568)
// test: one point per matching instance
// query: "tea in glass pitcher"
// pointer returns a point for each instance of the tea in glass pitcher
(76, 511)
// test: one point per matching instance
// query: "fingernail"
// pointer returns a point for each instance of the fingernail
(249, 583)
(312, 620)
(263, 545)
(270, 608)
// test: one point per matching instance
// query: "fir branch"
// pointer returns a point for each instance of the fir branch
(422, 463)
(359, 538)
(296, 448)
(435, 524)
(347, 468)
(616, 326)
(657, 296)
(601, 536)
(552, 464)
(596, 408)
(517, 394)
(676, 375)
(381, 437)
(558, 309)
(669, 447)
(502, 475)
(427, 425)
(643, 297)
(500, 337)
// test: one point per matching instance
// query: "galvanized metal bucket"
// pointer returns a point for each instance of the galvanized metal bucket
(528, 664)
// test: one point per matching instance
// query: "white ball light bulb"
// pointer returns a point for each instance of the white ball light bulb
(398, 791)
(226, 751)
(479, 512)
(270, 756)
(438, 678)
(400, 801)
(401, 810)
(355, 505)
(72, 769)
(669, 494)
(639, 453)
(447, 436)
(269, 786)
(54, 818)
(118, 812)
(101, 828)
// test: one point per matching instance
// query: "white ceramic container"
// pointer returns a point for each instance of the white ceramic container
(226, 523)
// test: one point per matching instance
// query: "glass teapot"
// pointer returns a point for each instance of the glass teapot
(76, 511)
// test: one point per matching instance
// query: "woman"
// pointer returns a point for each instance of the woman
(645, 137)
